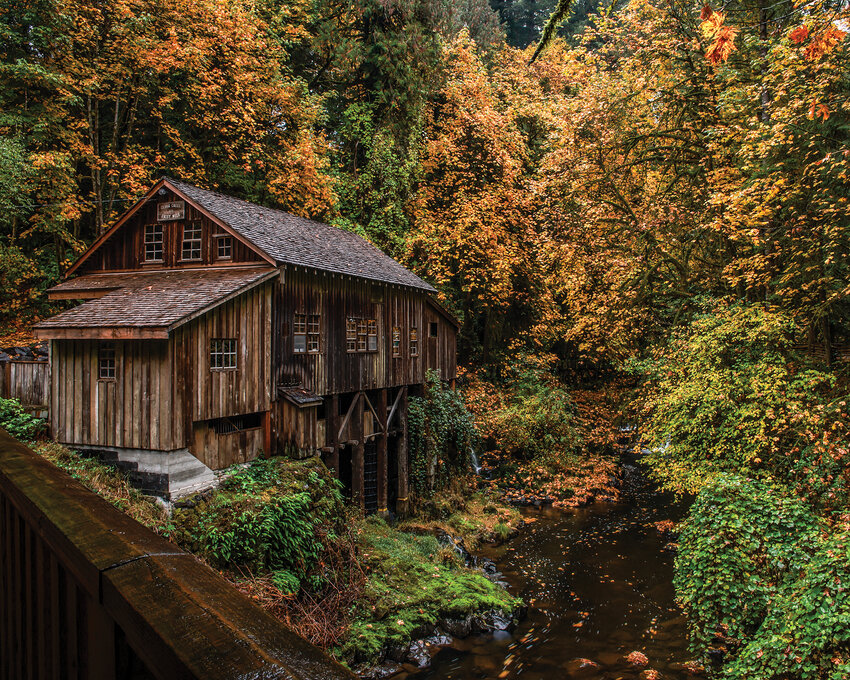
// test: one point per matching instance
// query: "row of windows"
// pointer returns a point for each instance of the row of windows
(190, 248)
(361, 336)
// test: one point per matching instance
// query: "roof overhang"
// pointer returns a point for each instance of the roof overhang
(102, 333)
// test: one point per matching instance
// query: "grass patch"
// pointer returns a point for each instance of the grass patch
(109, 483)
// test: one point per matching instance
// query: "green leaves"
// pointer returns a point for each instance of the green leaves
(762, 571)
(18, 422)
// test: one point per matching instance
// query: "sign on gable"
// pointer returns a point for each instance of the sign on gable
(170, 210)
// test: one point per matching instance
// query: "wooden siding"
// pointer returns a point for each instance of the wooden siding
(124, 250)
(26, 381)
(296, 431)
(218, 451)
(221, 393)
(140, 409)
(333, 370)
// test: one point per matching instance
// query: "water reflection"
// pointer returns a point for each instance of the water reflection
(599, 584)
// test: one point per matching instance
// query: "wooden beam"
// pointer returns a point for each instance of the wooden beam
(331, 419)
(351, 408)
(98, 333)
(382, 457)
(380, 420)
(396, 402)
(358, 490)
(403, 503)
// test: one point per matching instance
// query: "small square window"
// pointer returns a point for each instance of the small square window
(153, 243)
(224, 247)
(223, 354)
(191, 241)
(106, 361)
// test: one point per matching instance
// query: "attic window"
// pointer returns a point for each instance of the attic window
(106, 361)
(223, 354)
(432, 329)
(191, 241)
(153, 243)
(305, 333)
(224, 247)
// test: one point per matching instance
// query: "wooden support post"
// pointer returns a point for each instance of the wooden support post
(267, 434)
(382, 454)
(403, 504)
(332, 432)
(358, 492)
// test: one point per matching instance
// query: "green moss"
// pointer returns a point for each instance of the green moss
(412, 582)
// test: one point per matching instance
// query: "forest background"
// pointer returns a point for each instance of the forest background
(658, 188)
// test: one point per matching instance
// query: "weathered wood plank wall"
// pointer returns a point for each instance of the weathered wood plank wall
(26, 381)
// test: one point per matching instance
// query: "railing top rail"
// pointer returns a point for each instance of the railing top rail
(182, 618)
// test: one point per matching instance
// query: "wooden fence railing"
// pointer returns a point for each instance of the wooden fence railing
(26, 381)
(87, 592)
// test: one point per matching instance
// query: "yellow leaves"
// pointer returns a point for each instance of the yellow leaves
(722, 37)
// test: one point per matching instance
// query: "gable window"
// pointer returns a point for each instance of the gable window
(224, 247)
(191, 241)
(153, 243)
(414, 342)
(361, 335)
(432, 329)
(305, 333)
(396, 341)
(223, 354)
(106, 361)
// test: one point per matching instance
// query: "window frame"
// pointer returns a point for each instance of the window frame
(196, 243)
(307, 327)
(220, 354)
(107, 362)
(154, 229)
(361, 335)
(395, 342)
(413, 339)
(221, 239)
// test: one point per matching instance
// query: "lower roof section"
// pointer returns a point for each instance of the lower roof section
(144, 305)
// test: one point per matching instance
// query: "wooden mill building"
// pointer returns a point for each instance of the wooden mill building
(212, 329)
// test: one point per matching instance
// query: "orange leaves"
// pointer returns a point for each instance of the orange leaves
(818, 110)
(821, 43)
(722, 37)
(799, 34)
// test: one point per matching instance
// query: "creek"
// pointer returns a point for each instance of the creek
(598, 582)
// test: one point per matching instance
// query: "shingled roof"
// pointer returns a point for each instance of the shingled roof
(147, 304)
(289, 239)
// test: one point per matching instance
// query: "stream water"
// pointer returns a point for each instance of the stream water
(598, 581)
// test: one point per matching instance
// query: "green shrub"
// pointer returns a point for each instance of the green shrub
(759, 568)
(538, 421)
(18, 422)
(442, 437)
(272, 516)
